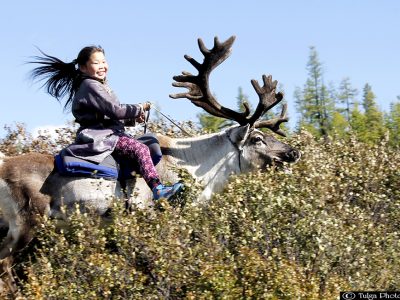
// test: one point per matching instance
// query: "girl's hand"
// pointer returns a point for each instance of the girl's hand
(146, 106)
(141, 118)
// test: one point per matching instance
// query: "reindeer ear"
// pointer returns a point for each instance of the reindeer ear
(238, 135)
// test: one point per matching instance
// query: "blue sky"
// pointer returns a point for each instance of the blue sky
(145, 42)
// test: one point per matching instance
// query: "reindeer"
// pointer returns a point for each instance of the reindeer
(29, 185)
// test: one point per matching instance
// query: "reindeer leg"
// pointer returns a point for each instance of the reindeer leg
(18, 237)
(7, 280)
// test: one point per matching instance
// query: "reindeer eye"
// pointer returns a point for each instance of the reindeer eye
(257, 139)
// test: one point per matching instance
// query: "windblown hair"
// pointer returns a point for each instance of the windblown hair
(62, 79)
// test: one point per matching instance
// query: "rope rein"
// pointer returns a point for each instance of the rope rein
(165, 116)
(239, 149)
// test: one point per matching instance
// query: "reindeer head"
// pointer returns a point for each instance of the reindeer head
(257, 149)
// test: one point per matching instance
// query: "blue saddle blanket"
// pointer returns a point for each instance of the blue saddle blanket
(109, 168)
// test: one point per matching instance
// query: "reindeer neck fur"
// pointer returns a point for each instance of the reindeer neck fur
(210, 158)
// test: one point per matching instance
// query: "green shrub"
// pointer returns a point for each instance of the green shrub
(327, 224)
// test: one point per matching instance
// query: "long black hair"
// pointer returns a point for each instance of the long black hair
(62, 79)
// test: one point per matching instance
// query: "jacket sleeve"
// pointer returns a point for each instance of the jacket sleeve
(108, 104)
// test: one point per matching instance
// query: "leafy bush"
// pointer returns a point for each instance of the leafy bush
(327, 224)
(18, 140)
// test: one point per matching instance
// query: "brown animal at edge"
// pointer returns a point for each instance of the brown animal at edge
(21, 182)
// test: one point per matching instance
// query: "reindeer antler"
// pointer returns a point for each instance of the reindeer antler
(268, 99)
(198, 86)
(200, 95)
(274, 123)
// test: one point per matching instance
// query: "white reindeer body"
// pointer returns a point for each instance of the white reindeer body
(209, 159)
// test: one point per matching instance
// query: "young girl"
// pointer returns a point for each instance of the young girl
(99, 113)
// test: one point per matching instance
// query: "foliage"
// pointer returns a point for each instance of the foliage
(315, 102)
(346, 97)
(327, 224)
(393, 122)
(211, 123)
(373, 118)
(340, 126)
(326, 111)
(18, 141)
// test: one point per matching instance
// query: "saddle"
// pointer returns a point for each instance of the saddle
(109, 168)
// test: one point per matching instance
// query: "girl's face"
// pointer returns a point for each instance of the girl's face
(96, 66)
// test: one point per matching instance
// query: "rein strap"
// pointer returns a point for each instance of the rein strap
(169, 119)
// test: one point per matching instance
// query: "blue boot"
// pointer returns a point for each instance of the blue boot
(162, 191)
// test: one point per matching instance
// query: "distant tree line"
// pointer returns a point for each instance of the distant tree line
(328, 111)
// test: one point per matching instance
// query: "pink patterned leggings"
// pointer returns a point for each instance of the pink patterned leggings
(139, 153)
